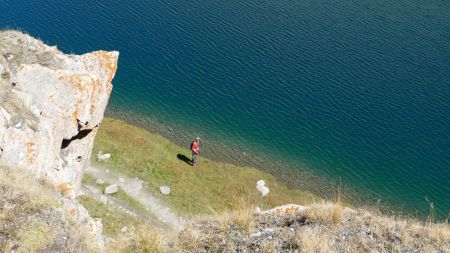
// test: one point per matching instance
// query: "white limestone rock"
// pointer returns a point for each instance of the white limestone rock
(111, 189)
(51, 105)
(261, 186)
(102, 157)
(165, 190)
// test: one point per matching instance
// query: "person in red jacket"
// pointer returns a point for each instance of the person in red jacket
(195, 147)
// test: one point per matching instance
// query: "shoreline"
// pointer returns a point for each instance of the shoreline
(292, 176)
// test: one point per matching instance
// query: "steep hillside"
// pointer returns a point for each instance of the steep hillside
(221, 201)
(32, 217)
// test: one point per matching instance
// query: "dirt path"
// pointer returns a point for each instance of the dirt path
(121, 205)
(133, 187)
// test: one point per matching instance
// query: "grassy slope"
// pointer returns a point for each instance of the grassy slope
(31, 219)
(207, 188)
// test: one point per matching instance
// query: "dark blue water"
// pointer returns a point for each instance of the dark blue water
(353, 89)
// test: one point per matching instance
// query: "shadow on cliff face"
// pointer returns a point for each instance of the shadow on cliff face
(184, 158)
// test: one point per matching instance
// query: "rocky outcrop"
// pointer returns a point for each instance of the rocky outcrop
(51, 105)
(323, 227)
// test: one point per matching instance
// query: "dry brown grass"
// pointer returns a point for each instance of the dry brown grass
(381, 232)
(187, 240)
(24, 183)
(142, 238)
(242, 216)
(329, 214)
(313, 239)
(31, 219)
(323, 227)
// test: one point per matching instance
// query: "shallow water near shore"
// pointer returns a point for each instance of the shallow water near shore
(352, 90)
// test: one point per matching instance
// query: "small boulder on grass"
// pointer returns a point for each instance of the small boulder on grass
(102, 157)
(261, 186)
(111, 189)
(165, 190)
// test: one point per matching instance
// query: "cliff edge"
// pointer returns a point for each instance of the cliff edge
(51, 105)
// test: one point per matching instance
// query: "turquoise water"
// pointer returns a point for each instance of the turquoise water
(352, 89)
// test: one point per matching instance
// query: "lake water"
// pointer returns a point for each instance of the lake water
(357, 91)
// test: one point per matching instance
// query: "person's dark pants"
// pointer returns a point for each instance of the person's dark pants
(194, 158)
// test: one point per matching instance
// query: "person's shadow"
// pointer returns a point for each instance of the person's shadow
(184, 158)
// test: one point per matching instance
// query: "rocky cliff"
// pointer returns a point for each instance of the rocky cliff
(51, 105)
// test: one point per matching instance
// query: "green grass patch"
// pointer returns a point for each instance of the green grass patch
(37, 238)
(89, 180)
(6, 75)
(113, 220)
(207, 188)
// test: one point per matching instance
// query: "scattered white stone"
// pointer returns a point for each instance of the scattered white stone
(165, 190)
(268, 230)
(102, 157)
(257, 210)
(257, 234)
(103, 199)
(111, 189)
(121, 180)
(99, 181)
(124, 230)
(18, 125)
(261, 186)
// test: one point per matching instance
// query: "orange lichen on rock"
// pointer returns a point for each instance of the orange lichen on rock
(71, 212)
(31, 147)
(77, 82)
(76, 112)
(65, 188)
(107, 61)
(97, 88)
(286, 210)
(74, 80)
